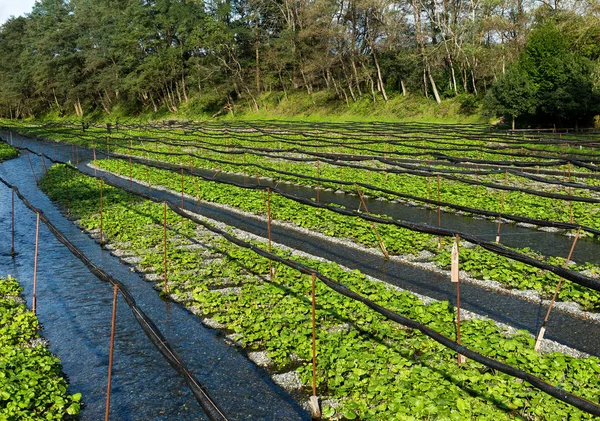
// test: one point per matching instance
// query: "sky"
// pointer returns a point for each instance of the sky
(10, 8)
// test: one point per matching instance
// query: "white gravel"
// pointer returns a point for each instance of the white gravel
(260, 358)
(289, 381)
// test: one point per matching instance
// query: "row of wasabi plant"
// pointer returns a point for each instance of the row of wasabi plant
(367, 367)
(477, 262)
(32, 384)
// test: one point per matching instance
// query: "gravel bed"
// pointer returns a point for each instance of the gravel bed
(260, 358)
(289, 381)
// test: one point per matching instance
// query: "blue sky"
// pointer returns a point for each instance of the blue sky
(10, 8)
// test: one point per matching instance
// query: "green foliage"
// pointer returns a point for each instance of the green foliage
(7, 152)
(513, 95)
(550, 83)
(32, 386)
(371, 367)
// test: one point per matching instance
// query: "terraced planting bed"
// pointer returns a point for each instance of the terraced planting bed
(369, 364)
(368, 367)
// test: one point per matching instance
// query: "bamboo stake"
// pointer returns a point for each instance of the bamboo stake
(35, 263)
(12, 247)
(111, 351)
(314, 400)
(166, 285)
(364, 205)
(76, 154)
(540, 336)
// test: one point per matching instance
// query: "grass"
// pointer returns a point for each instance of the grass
(318, 107)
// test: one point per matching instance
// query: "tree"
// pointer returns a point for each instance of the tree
(550, 83)
(514, 95)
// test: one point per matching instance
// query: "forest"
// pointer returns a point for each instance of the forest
(534, 62)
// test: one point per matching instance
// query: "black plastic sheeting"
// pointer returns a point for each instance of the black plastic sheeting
(150, 329)
(339, 160)
(475, 211)
(146, 387)
(554, 391)
(545, 387)
(424, 228)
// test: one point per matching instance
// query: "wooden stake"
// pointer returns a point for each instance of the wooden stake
(166, 285)
(540, 336)
(455, 277)
(439, 210)
(318, 185)
(32, 171)
(428, 188)
(244, 168)
(195, 181)
(570, 201)
(101, 217)
(35, 263)
(44, 163)
(12, 247)
(111, 351)
(314, 400)
(182, 189)
(477, 179)
(67, 187)
(364, 205)
(271, 269)
(95, 163)
(501, 208)
(130, 176)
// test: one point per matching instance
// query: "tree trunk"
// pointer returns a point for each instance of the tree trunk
(256, 57)
(433, 85)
